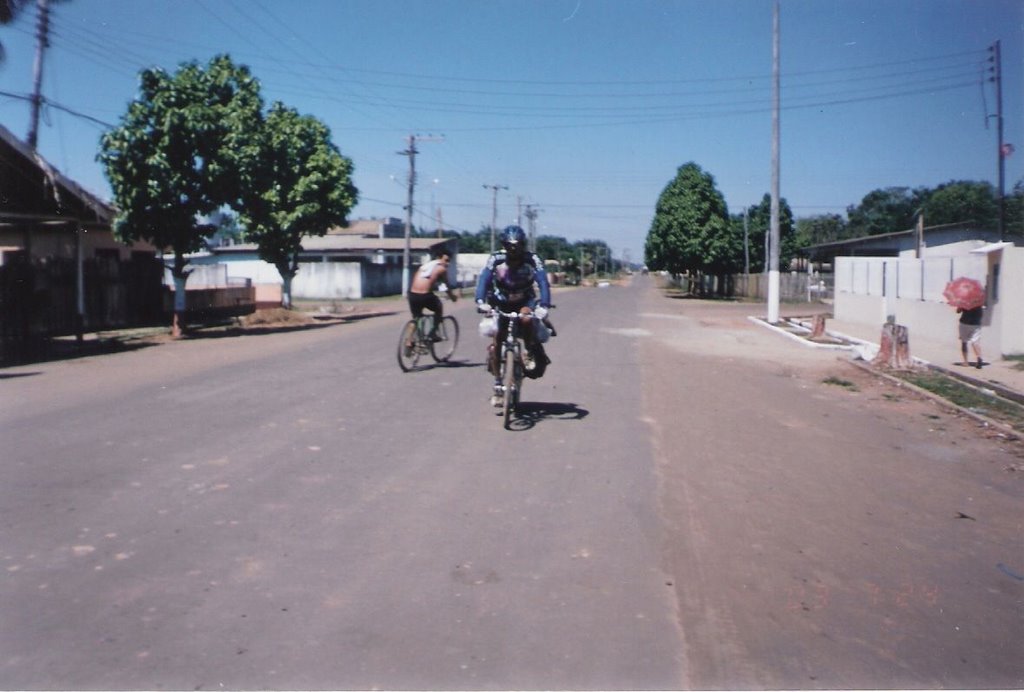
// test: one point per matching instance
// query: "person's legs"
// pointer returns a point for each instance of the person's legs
(434, 304)
(493, 354)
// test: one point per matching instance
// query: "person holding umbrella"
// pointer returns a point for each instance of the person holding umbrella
(970, 332)
(968, 297)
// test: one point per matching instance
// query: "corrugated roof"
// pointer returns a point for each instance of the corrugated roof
(59, 183)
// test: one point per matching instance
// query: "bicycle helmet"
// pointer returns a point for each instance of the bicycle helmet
(513, 239)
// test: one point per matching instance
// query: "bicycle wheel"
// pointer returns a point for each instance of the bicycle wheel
(448, 332)
(408, 347)
(510, 395)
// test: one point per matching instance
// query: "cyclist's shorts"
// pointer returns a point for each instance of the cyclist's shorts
(430, 301)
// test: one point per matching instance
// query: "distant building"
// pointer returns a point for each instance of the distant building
(361, 260)
(371, 228)
(44, 214)
(901, 242)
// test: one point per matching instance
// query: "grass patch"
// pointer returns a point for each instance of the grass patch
(967, 397)
(1018, 362)
(839, 382)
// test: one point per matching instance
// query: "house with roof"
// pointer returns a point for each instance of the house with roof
(901, 276)
(361, 260)
(61, 268)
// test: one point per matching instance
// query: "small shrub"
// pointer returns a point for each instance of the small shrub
(839, 382)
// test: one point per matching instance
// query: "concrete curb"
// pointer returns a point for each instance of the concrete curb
(865, 351)
(855, 345)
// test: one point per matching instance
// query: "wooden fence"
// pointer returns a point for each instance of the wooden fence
(794, 287)
(39, 300)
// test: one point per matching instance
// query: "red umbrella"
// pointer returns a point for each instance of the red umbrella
(965, 293)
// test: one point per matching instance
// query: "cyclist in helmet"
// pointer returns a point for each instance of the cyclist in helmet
(507, 283)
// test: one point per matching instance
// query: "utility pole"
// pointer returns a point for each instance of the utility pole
(531, 217)
(746, 244)
(1002, 150)
(42, 42)
(411, 152)
(773, 267)
(494, 208)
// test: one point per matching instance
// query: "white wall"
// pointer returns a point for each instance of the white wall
(315, 280)
(1009, 308)
(328, 280)
(470, 265)
(868, 290)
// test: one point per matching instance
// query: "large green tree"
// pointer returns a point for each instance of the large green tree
(298, 184)
(759, 218)
(175, 157)
(1014, 203)
(818, 229)
(690, 231)
(960, 201)
(886, 210)
(554, 247)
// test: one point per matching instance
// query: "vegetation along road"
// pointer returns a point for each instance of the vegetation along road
(689, 501)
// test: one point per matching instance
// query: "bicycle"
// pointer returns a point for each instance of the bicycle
(512, 368)
(418, 338)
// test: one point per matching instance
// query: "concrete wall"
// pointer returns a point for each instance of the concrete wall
(1008, 307)
(314, 281)
(862, 309)
(328, 280)
(470, 265)
(872, 290)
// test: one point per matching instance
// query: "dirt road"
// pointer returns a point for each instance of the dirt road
(824, 528)
(688, 500)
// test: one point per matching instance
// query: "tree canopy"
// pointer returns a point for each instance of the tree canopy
(819, 229)
(691, 230)
(176, 155)
(758, 222)
(296, 184)
(960, 201)
(885, 210)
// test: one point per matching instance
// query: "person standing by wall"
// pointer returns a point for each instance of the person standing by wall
(970, 333)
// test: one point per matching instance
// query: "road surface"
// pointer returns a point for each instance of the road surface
(686, 503)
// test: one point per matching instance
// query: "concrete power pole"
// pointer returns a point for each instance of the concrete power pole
(773, 267)
(1004, 151)
(42, 42)
(411, 152)
(746, 244)
(531, 216)
(494, 208)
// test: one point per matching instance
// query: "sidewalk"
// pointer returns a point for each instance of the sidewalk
(1003, 376)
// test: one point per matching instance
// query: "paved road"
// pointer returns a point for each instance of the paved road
(684, 504)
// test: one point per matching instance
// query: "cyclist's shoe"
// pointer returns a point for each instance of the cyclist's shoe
(496, 401)
(408, 349)
(535, 362)
(435, 337)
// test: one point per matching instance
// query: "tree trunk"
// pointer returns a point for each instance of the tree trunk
(180, 277)
(894, 348)
(286, 290)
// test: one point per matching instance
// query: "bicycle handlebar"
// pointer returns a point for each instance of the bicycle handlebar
(510, 315)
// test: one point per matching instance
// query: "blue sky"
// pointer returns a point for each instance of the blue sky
(582, 108)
